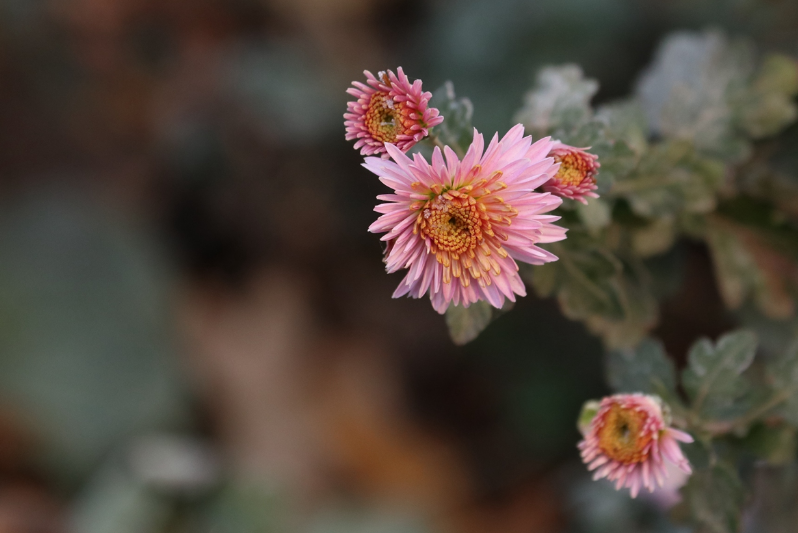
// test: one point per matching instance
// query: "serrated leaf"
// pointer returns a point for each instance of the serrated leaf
(644, 368)
(466, 323)
(560, 100)
(456, 129)
(713, 378)
(670, 179)
(783, 374)
(783, 370)
(593, 285)
(639, 311)
(587, 287)
(715, 498)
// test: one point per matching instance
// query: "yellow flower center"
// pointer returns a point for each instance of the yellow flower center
(574, 168)
(386, 119)
(465, 227)
(453, 223)
(621, 437)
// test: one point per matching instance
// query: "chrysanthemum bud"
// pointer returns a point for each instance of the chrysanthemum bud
(576, 178)
(388, 109)
(628, 440)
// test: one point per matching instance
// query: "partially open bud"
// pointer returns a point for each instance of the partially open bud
(576, 178)
(629, 439)
(388, 109)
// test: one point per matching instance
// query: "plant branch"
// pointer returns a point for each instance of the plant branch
(729, 426)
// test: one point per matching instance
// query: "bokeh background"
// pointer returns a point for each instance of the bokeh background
(196, 330)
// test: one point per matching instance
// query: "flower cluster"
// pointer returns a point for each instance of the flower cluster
(628, 440)
(460, 226)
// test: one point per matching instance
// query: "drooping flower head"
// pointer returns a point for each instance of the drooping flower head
(576, 178)
(629, 439)
(388, 109)
(460, 226)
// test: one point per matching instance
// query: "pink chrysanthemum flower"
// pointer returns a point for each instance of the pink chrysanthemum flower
(576, 178)
(629, 439)
(459, 227)
(388, 109)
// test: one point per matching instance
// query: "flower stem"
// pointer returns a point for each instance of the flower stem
(435, 141)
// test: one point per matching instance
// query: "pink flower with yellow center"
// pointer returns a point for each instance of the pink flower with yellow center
(576, 178)
(388, 109)
(460, 226)
(629, 440)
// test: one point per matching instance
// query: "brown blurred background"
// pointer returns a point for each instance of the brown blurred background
(196, 330)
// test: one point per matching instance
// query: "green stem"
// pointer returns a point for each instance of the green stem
(435, 141)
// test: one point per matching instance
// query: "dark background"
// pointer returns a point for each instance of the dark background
(196, 330)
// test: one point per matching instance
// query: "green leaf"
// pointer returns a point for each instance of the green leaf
(768, 106)
(783, 374)
(588, 284)
(655, 238)
(713, 378)
(590, 133)
(735, 269)
(466, 323)
(776, 445)
(639, 312)
(586, 415)
(456, 129)
(560, 100)
(783, 370)
(671, 179)
(645, 368)
(715, 498)
(746, 268)
(593, 285)
(595, 215)
(688, 90)
(778, 73)
(617, 162)
(543, 278)
(248, 506)
(625, 122)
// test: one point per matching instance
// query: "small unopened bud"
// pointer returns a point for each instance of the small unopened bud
(576, 178)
